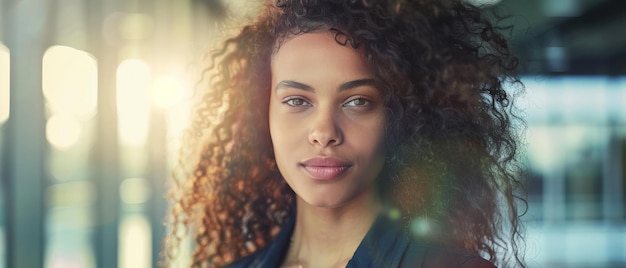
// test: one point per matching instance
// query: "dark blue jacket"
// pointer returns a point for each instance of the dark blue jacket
(384, 245)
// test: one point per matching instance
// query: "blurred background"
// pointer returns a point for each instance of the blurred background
(94, 95)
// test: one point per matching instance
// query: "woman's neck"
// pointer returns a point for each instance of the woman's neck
(329, 236)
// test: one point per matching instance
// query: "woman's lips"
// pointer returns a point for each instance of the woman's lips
(325, 168)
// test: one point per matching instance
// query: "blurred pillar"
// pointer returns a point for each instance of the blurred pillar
(105, 150)
(613, 197)
(554, 195)
(26, 30)
(157, 173)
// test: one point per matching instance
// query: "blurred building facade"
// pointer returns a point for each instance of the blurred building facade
(573, 59)
(94, 94)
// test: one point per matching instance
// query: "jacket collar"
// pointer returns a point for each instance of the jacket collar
(383, 245)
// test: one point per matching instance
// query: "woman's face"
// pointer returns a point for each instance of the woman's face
(326, 120)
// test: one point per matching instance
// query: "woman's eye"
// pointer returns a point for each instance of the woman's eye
(357, 102)
(296, 102)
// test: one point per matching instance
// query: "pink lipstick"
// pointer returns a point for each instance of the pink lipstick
(325, 168)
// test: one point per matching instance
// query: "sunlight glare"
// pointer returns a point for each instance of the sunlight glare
(134, 79)
(167, 92)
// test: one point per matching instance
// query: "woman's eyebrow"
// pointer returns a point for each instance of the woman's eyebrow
(357, 83)
(293, 84)
(345, 86)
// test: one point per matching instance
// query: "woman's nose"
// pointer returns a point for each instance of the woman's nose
(325, 130)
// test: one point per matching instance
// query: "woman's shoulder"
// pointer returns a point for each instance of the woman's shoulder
(428, 254)
(252, 260)
(388, 245)
(417, 254)
(385, 245)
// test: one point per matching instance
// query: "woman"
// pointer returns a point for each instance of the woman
(354, 134)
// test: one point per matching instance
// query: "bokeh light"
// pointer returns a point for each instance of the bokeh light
(135, 26)
(63, 130)
(134, 191)
(70, 81)
(134, 82)
(135, 242)
(420, 226)
(5, 83)
(75, 193)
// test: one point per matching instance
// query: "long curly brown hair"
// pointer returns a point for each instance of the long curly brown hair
(451, 130)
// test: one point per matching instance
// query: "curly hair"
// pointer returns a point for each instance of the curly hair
(451, 130)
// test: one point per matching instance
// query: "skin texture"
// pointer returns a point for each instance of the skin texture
(325, 105)
(447, 84)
